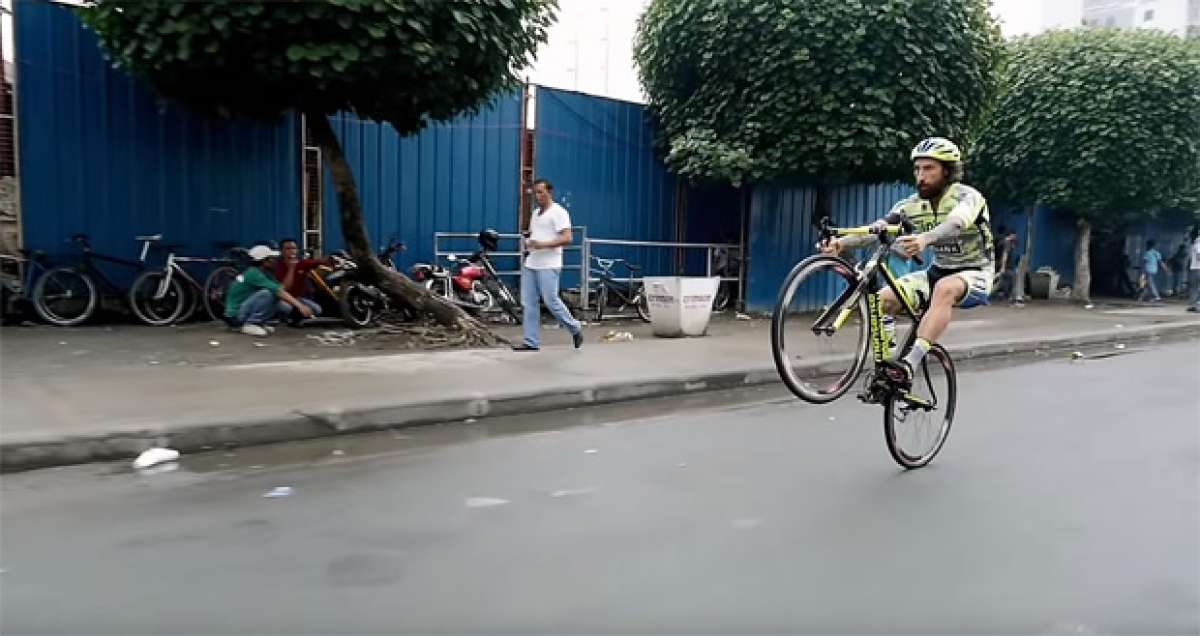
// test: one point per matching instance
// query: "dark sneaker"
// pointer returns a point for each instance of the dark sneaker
(577, 338)
(898, 372)
(524, 347)
(1193, 308)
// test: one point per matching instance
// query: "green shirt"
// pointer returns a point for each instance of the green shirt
(248, 282)
(970, 248)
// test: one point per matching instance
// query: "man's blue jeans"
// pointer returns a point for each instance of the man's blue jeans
(543, 284)
(260, 307)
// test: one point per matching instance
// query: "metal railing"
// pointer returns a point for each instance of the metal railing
(584, 247)
(440, 238)
(710, 249)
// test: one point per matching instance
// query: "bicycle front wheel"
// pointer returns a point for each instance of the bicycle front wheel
(65, 297)
(153, 302)
(819, 331)
(215, 287)
(916, 425)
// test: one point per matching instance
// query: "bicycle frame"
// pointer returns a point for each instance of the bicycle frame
(868, 282)
(173, 267)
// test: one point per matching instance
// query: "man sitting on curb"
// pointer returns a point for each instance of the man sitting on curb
(255, 297)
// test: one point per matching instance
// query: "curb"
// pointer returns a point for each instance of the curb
(295, 426)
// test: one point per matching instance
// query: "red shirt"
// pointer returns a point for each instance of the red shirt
(299, 286)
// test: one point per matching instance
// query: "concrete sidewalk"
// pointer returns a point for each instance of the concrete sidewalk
(87, 394)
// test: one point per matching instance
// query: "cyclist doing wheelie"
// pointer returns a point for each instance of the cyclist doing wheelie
(952, 217)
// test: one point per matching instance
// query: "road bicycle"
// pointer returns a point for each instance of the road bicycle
(828, 319)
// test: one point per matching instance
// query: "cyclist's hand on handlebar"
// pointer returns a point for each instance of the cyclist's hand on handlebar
(832, 247)
(911, 245)
(878, 227)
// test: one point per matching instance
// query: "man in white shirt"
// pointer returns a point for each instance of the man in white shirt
(1194, 273)
(549, 231)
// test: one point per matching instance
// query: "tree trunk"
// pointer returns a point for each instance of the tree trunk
(397, 286)
(1082, 291)
(1027, 258)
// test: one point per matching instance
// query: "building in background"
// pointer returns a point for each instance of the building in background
(1180, 17)
(590, 49)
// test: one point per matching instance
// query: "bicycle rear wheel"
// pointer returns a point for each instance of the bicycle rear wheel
(641, 302)
(153, 308)
(817, 358)
(916, 425)
(215, 287)
(65, 297)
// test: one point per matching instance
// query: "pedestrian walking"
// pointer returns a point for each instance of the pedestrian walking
(549, 231)
(1152, 259)
(1194, 273)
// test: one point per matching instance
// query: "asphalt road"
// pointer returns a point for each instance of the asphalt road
(1066, 501)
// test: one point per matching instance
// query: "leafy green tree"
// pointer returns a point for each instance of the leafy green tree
(827, 91)
(405, 62)
(1103, 123)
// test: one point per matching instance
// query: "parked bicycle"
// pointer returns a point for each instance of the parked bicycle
(69, 295)
(726, 264)
(158, 296)
(18, 274)
(615, 296)
(827, 316)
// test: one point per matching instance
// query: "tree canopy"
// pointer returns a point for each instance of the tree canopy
(406, 62)
(1102, 122)
(810, 88)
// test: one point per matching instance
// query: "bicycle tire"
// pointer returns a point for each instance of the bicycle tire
(641, 303)
(59, 276)
(806, 269)
(157, 312)
(601, 301)
(946, 402)
(723, 296)
(216, 285)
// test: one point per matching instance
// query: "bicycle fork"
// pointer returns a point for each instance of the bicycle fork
(165, 283)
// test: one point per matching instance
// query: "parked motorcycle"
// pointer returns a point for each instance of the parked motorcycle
(472, 283)
(361, 303)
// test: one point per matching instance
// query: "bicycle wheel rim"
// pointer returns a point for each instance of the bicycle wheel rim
(819, 367)
(915, 434)
(215, 289)
(152, 309)
(65, 297)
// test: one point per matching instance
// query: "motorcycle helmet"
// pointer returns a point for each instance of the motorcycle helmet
(489, 240)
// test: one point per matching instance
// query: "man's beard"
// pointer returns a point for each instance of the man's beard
(929, 192)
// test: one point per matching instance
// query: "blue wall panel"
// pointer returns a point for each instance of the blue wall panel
(599, 154)
(458, 176)
(782, 231)
(102, 155)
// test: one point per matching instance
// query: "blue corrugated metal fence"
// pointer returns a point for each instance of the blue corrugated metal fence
(459, 176)
(782, 232)
(102, 155)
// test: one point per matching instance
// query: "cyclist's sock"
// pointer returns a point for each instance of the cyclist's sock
(917, 353)
(889, 335)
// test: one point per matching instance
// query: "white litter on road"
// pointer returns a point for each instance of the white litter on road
(279, 491)
(485, 502)
(572, 493)
(153, 456)
(591, 451)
